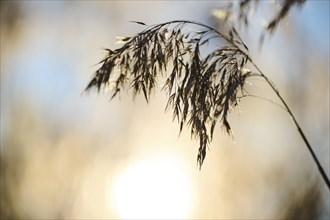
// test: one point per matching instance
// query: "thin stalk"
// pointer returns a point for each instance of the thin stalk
(321, 170)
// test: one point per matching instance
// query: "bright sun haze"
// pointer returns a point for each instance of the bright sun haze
(154, 187)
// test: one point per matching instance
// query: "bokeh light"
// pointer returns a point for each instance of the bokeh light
(155, 187)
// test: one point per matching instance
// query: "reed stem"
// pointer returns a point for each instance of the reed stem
(303, 136)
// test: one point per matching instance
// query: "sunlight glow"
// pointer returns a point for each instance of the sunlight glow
(153, 188)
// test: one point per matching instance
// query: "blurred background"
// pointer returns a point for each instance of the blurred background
(69, 156)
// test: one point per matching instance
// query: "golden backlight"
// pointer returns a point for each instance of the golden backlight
(155, 187)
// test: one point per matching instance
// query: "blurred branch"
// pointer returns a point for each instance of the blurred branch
(11, 13)
(303, 203)
(237, 13)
